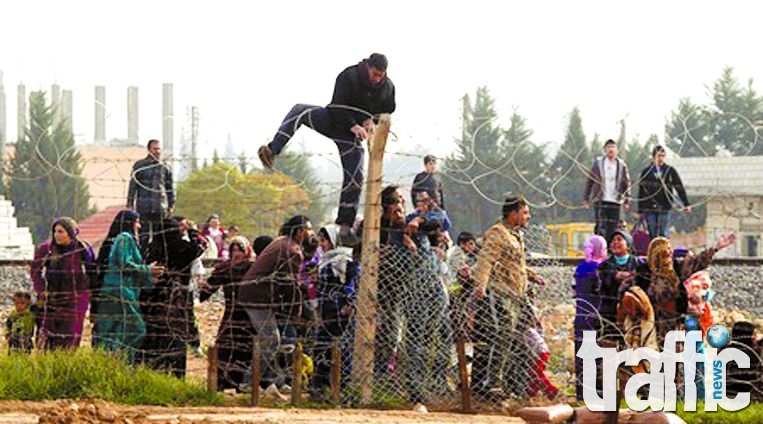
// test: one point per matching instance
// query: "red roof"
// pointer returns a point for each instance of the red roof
(95, 228)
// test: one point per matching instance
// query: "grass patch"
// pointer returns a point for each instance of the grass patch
(752, 414)
(85, 373)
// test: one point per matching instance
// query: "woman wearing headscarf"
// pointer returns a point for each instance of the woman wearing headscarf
(616, 274)
(338, 274)
(216, 234)
(234, 336)
(60, 271)
(167, 306)
(119, 325)
(662, 280)
(588, 299)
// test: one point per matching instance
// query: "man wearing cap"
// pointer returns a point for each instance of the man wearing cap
(361, 93)
(608, 188)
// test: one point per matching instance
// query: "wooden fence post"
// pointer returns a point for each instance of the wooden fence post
(212, 368)
(296, 380)
(256, 373)
(336, 373)
(466, 390)
(365, 330)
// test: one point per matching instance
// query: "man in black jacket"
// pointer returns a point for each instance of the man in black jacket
(361, 93)
(657, 185)
(150, 192)
(428, 181)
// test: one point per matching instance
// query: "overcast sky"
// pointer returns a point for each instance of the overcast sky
(245, 63)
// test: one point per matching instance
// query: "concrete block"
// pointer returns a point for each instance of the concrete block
(546, 414)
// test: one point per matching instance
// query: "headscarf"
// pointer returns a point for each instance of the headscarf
(338, 257)
(660, 263)
(69, 224)
(165, 241)
(123, 222)
(658, 257)
(595, 249)
(71, 228)
(243, 244)
(260, 243)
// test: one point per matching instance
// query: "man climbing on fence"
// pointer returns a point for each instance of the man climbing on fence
(361, 93)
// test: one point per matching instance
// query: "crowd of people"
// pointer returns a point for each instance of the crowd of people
(299, 287)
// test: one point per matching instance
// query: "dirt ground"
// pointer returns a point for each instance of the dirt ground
(87, 411)
(208, 316)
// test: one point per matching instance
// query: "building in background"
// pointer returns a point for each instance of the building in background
(732, 187)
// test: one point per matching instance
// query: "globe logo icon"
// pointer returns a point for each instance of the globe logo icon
(718, 336)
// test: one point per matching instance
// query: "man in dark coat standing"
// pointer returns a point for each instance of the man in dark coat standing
(428, 180)
(150, 192)
(657, 189)
(361, 93)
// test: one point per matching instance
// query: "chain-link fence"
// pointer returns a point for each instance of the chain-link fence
(424, 310)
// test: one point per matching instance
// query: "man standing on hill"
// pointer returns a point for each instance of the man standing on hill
(609, 186)
(150, 192)
(361, 93)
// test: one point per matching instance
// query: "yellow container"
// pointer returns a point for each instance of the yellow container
(566, 240)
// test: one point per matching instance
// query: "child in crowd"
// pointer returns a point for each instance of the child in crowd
(439, 223)
(539, 354)
(699, 294)
(20, 325)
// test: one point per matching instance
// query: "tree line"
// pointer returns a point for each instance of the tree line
(491, 160)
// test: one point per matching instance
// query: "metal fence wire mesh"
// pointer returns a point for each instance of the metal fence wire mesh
(424, 308)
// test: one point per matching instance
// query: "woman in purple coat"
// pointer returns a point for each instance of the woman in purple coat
(588, 299)
(61, 271)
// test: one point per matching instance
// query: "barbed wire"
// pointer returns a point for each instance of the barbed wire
(422, 306)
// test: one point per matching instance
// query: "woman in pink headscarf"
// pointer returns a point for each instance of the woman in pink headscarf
(588, 299)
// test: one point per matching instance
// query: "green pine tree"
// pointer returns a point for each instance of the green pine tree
(472, 174)
(243, 163)
(569, 172)
(297, 166)
(46, 172)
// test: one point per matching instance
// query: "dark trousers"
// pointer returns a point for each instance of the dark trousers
(500, 355)
(607, 218)
(350, 153)
(657, 223)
